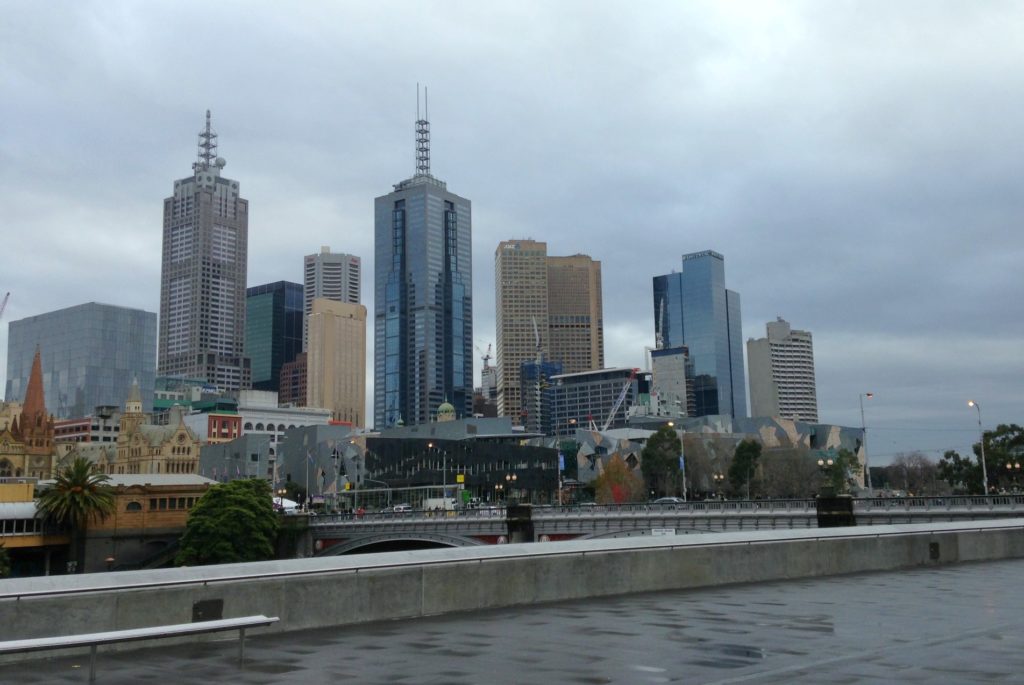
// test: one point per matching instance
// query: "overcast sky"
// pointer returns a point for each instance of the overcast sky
(858, 164)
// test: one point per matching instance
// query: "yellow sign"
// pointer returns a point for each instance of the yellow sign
(460, 478)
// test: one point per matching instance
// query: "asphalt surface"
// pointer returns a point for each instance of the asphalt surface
(953, 624)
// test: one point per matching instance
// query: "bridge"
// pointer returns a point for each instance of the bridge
(392, 531)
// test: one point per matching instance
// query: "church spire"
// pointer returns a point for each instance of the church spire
(35, 403)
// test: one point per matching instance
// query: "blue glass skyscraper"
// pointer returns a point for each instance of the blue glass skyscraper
(692, 308)
(273, 330)
(423, 298)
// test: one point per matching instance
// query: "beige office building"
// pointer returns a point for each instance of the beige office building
(336, 360)
(782, 374)
(561, 296)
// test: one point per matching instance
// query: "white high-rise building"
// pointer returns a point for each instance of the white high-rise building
(330, 276)
(782, 374)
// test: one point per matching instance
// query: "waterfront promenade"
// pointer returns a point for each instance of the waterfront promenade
(949, 624)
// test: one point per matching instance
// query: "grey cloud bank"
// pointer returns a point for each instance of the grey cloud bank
(854, 162)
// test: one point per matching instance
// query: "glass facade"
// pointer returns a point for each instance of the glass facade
(273, 330)
(692, 308)
(423, 303)
(90, 355)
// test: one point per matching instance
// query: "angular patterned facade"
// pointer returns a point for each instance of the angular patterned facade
(203, 275)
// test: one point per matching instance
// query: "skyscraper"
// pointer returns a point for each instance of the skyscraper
(423, 297)
(91, 353)
(555, 299)
(693, 309)
(273, 330)
(782, 374)
(336, 360)
(330, 275)
(202, 279)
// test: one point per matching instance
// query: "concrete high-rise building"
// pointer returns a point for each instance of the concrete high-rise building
(782, 374)
(336, 360)
(273, 330)
(555, 299)
(202, 278)
(521, 316)
(91, 353)
(693, 309)
(332, 276)
(423, 297)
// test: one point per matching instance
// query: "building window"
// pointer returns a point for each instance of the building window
(133, 507)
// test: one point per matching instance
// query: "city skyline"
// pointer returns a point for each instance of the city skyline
(858, 184)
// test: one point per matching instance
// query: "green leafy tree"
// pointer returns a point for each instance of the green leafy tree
(617, 484)
(962, 474)
(1004, 447)
(659, 463)
(841, 474)
(232, 522)
(744, 466)
(79, 496)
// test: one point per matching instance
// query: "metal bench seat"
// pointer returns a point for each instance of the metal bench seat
(93, 640)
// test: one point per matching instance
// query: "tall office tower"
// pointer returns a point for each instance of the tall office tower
(782, 374)
(521, 316)
(91, 353)
(575, 319)
(336, 360)
(693, 309)
(202, 280)
(273, 330)
(423, 297)
(330, 275)
(555, 301)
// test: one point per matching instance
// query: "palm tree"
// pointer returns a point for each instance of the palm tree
(79, 495)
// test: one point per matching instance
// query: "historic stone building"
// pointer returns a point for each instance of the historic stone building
(26, 438)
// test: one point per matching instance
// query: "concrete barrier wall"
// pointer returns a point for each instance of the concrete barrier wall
(329, 591)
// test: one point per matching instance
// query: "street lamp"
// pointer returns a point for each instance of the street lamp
(498, 487)
(510, 484)
(864, 437)
(984, 469)
(719, 479)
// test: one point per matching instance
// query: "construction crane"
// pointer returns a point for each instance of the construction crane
(3, 305)
(485, 357)
(618, 402)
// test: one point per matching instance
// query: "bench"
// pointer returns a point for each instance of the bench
(93, 640)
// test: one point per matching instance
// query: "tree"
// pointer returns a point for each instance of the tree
(744, 465)
(914, 473)
(79, 495)
(659, 462)
(963, 475)
(788, 472)
(841, 474)
(1004, 447)
(232, 522)
(617, 484)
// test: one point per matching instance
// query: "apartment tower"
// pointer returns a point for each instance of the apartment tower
(336, 360)
(782, 374)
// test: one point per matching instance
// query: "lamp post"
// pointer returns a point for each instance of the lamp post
(498, 487)
(825, 465)
(981, 434)
(719, 479)
(510, 484)
(1013, 471)
(864, 438)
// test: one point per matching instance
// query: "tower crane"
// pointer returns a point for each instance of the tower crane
(3, 305)
(485, 357)
(618, 401)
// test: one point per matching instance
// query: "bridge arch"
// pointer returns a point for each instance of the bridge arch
(380, 542)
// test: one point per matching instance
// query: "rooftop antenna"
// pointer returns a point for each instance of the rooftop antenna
(422, 134)
(207, 147)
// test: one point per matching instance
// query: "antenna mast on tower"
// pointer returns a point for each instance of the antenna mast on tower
(422, 134)
(207, 147)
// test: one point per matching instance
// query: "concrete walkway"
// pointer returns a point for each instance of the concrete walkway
(952, 624)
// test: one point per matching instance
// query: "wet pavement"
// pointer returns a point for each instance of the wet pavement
(952, 624)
